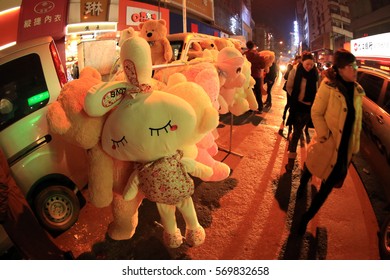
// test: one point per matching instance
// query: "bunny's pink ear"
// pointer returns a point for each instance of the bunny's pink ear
(136, 59)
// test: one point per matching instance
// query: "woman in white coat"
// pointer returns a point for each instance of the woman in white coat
(337, 117)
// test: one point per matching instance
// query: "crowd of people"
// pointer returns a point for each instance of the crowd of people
(330, 102)
(325, 98)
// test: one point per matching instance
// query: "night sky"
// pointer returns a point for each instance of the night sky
(277, 14)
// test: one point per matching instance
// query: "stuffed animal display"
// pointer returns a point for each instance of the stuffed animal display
(230, 62)
(107, 176)
(155, 32)
(66, 117)
(144, 137)
(151, 128)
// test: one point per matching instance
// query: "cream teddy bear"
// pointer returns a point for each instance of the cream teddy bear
(244, 97)
(229, 64)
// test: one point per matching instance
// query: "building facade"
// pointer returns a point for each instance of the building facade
(370, 17)
(326, 27)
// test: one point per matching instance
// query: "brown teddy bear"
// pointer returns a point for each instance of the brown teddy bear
(155, 33)
(208, 44)
(66, 117)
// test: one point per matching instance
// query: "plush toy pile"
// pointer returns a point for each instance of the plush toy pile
(146, 135)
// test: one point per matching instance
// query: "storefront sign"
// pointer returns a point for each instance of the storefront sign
(137, 15)
(202, 8)
(376, 46)
(132, 13)
(39, 18)
(85, 28)
(93, 10)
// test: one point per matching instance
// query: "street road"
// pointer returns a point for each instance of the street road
(251, 214)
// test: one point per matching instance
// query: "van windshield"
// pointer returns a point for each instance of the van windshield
(23, 89)
(177, 46)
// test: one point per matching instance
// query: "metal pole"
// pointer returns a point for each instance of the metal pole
(159, 10)
(184, 16)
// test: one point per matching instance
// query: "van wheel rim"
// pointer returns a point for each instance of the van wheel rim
(58, 209)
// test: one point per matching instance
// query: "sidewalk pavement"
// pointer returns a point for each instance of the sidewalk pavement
(249, 215)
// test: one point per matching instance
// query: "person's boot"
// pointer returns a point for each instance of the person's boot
(291, 161)
(281, 128)
(304, 182)
(307, 136)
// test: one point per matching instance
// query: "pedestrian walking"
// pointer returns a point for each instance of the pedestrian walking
(290, 66)
(19, 222)
(257, 70)
(302, 83)
(269, 79)
(337, 118)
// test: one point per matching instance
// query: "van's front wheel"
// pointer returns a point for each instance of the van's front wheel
(384, 239)
(57, 208)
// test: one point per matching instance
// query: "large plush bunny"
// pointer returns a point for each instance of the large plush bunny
(150, 128)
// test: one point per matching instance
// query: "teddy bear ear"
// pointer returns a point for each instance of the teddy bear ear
(57, 119)
(162, 21)
(140, 25)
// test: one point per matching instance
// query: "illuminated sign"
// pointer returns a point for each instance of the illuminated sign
(85, 28)
(38, 18)
(132, 13)
(137, 15)
(38, 98)
(93, 10)
(376, 46)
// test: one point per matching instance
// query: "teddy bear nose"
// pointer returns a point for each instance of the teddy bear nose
(149, 34)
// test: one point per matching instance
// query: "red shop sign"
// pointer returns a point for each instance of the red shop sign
(41, 18)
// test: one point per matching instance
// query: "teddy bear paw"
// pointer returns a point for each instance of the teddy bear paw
(195, 237)
(173, 240)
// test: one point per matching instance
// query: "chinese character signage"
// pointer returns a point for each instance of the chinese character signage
(372, 46)
(90, 27)
(93, 10)
(41, 18)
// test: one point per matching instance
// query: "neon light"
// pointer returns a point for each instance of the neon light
(3, 47)
(35, 99)
(8, 11)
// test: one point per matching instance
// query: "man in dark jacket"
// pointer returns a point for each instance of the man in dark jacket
(270, 80)
(19, 221)
(257, 69)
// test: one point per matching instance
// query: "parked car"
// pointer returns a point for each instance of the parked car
(376, 128)
(376, 108)
(183, 44)
(49, 171)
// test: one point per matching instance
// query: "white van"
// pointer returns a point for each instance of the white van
(182, 44)
(49, 171)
